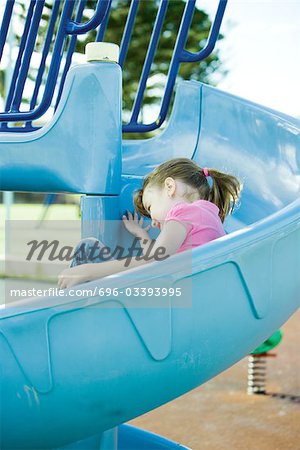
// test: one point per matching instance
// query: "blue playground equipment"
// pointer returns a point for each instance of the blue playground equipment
(75, 369)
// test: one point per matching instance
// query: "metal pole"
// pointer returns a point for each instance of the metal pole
(8, 197)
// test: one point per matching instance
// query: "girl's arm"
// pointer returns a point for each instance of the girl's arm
(168, 242)
(145, 241)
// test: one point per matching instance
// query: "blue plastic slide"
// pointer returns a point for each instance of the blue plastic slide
(74, 367)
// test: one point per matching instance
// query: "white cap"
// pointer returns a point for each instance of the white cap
(102, 51)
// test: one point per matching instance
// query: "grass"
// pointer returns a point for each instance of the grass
(34, 211)
(21, 212)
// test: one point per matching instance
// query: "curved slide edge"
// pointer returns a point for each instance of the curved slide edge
(110, 345)
(132, 438)
(128, 437)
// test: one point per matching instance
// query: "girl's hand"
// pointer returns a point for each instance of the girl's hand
(70, 277)
(135, 225)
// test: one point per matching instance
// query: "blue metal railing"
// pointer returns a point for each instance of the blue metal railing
(71, 49)
(69, 14)
(148, 62)
(104, 22)
(13, 115)
(100, 11)
(128, 31)
(5, 25)
(173, 70)
(12, 88)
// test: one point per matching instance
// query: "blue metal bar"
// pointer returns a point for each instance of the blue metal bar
(5, 24)
(53, 71)
(81, 28)
(20, 56)
(187, 56)
(46, 49)
(27, 55)
(174, 65)
(103, 25)
(15, 75)
(128, 31)
(173, 70)
(149, 59)
(18, 129)
(71, 48)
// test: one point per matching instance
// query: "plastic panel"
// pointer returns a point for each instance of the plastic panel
(80, 149)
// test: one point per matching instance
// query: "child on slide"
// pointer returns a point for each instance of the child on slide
(187, 208)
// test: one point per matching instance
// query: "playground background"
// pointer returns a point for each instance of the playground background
(229, 418)
(23, 211)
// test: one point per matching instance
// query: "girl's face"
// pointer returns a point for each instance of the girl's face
(157, 202)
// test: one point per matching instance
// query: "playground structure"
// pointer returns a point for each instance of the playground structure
(74, 369)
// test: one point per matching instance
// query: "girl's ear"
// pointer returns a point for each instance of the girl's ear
(170, 185)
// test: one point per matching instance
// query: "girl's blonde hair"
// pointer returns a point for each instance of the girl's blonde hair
(224, 192)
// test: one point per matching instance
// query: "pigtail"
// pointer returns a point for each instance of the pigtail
(224, 192)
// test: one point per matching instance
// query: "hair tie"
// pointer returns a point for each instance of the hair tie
(205, 172)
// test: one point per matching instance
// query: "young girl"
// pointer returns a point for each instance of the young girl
(181, 201)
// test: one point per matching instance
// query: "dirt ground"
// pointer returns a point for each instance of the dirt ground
(221, 416)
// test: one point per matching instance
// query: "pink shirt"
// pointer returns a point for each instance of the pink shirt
(202, 222)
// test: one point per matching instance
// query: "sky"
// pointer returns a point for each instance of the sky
(261, 51)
